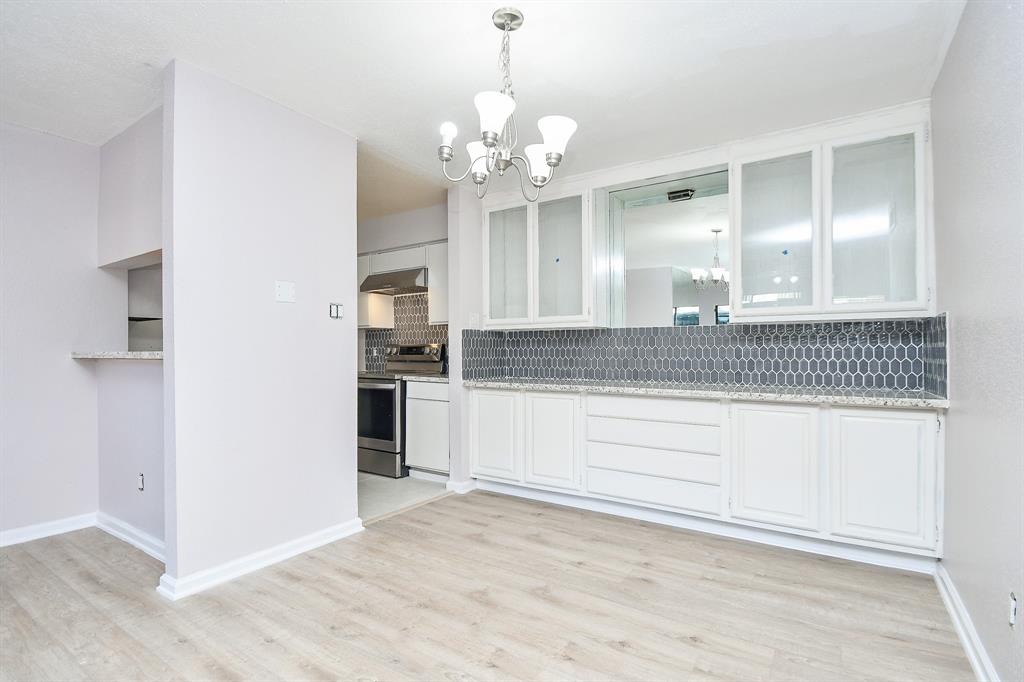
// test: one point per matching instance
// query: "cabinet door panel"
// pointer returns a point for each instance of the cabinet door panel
(402, 259)
(437, 283)
(778, 217)
(874, 223)
(426, 442)
(495, 440)
(552, 440)
(560, 257)
(508, 264)
(883, 471)
(775, 465)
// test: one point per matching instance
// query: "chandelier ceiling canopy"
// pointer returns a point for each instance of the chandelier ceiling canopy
(495, 151)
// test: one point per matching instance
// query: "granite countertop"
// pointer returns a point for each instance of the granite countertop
(425, 378)
(120, 355)
(815, 396)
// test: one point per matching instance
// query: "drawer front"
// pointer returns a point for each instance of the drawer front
(665, 492)
(696, 438)
(657, 409)
(683, 466)
(424, 390)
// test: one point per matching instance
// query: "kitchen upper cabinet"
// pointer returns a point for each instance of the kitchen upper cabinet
(399, 259)
(552, 439)
(775, 465)
(559, 289)
(496, 434)
(883, 471)
(437, 283)
(538, 269)
(874, 213)
(832, 229)
(507, 263)
(374, 311)
(778, 217)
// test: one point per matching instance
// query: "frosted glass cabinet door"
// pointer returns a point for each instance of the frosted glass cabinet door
(560, 257)
(508, 294)
(777, 232)
(874, 223)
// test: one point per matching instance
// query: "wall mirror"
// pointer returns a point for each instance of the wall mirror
(670, 252)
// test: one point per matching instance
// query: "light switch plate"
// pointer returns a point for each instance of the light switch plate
(337, 311)
(284, 292)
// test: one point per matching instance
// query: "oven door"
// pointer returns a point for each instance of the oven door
(380, 415)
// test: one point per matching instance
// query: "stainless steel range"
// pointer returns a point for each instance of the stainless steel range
(382, 406)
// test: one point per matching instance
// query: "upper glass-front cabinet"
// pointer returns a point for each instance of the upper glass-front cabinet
(538, 264)
(831, 230)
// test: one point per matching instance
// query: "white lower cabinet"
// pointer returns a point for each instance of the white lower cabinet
(495, 438)
(864, 476)
(426, 425)
(883, 472)
(552, 439)
(775, 465)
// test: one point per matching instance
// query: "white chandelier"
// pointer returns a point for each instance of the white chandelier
(715, 278)
(494, 151)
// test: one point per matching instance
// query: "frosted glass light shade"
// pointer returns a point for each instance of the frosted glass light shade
(494, 109)
(478, 155)
(556, 131)
(448, 133)
(536, 154)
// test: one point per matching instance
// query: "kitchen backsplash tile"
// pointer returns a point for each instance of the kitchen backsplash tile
(411, 326)
(897, 354)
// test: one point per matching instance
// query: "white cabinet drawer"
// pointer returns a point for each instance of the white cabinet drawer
(664, 435)
(425, 390)
(657, 409)
(403, 259)
(665, 492)
(684, 466)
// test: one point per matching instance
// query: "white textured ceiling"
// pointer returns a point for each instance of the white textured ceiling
(643, 79)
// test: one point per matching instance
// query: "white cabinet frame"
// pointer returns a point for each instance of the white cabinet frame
(922, 224)
(533, 319)
(735, 225)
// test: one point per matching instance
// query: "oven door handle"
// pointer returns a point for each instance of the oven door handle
(378, 387)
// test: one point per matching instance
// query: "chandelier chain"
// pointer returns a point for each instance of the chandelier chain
(505, 60)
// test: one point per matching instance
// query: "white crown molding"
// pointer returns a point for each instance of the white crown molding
(461, 487)
(866, 555)
(177, 588)
(16, 536)
(969, 637)
(139, 539)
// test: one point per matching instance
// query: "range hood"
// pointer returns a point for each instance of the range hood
(412, 281)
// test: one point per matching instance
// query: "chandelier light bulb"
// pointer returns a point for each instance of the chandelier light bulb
(494, 109)
(556, 131)
(477, 156)
(794, 279)
(777, 279)
(536, 155)
(448, 133)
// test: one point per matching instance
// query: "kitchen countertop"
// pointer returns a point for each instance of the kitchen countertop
(424, 378)
(120, 355)
(815, 396)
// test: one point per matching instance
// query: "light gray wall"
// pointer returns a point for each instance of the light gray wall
(402, 229)
(259, 396)
(130, 186)
(979, 223)
(53, 300)
(130, 438)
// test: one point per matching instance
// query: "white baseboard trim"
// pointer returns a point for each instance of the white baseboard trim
(462, 487)
(16, 536)
(969, 638)
(427, 476)
(867, 555)
(139, 539)
(177, 588)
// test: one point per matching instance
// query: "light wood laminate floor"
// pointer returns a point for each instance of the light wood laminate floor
(478, 586)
